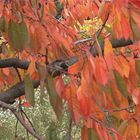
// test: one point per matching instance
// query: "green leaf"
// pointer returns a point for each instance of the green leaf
(18, 138)
(29, 90)
(121, 84)
(52, 131)
(137, 66)
(18, 34)
(92, 135)
(42, 78)
(55, 100)
(3, 25)
(23, 31)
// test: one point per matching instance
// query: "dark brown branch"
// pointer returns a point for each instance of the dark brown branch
(14, 92)
(20, 119)
(115, 44)
(22, 64)
(14, 62)
(55, 69)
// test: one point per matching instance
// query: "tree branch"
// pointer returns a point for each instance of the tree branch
(14, 92)
(20, 119)
(14, 62)
(116, 43)
(55, 68)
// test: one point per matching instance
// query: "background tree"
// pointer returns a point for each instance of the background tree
(88, 57)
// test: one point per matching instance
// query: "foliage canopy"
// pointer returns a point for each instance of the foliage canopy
(85, 52)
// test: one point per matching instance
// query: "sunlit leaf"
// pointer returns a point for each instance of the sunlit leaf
(84, 102)
(108, 53)
(136, 96)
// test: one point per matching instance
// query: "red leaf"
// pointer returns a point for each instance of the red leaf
(59, 86)
(108, 53)
(101, 71)
(121, 65)
(6, 71)
(26, 104)
(75, 68)
(84, 102)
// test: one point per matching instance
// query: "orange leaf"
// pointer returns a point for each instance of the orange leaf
(132, 125)
(31, 68)
(84, 133)
(75, 68)
(121, 65)
(84, 102)
(6, 71)
(108, 53)
(71, 98)
(101, 71)
(59, 86)
(136, 96)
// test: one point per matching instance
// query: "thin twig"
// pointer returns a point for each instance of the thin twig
(97, 34)
(19, 76)
(21, 110)
(102, 124)
(18, 116)
(122, 109)
(28, 120)
(16, 126)
(20, 79)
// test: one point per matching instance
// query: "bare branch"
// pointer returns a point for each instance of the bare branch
(116, 43)
(20, 119)
(14, 62)
(14, 92)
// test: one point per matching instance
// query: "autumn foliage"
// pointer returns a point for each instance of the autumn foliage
(103, 87)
